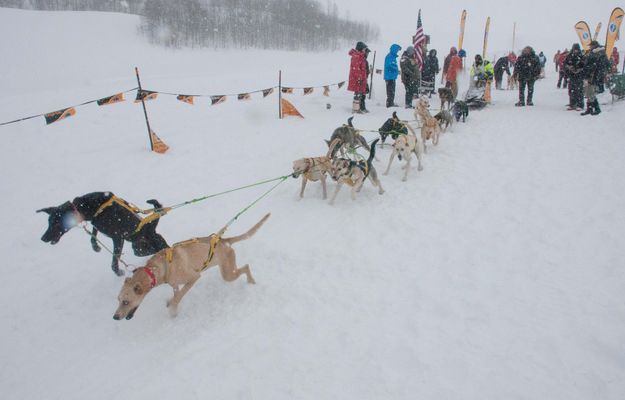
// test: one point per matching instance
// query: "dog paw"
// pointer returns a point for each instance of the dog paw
(173, 312)
(420, 168)
(96, 248)
(404, 179)
(251, 281)
(381, 191)
(119, 272)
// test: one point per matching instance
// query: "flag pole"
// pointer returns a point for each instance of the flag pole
(145, 112)
(280, 94)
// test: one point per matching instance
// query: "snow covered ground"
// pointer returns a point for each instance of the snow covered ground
(495, 273)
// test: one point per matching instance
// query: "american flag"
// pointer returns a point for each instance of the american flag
(417, 42)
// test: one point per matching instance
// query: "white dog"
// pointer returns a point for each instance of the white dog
(404, 147)
(312, 169)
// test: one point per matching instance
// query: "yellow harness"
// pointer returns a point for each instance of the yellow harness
(214, 239)
(152, 215)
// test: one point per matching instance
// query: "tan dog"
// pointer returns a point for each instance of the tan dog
(403, 147)
(182, 264)
(312, 169)
(430, 128)
(354, 173)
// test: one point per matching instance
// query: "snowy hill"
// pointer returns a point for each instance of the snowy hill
(494, 273)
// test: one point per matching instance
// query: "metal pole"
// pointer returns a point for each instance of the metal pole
(372, 72)
(280, 94)
(513, 36)
(145, 112)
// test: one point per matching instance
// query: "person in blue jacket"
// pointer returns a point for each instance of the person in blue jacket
(391, 71)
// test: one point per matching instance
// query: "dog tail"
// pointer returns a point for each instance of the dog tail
(249, 233)
(372, 152)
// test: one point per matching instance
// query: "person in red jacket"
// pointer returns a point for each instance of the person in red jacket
(451, 69)
(615, 58)
(358, 76)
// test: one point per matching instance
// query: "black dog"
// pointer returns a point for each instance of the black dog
(393, 127)
(460, 109)
(110, 215)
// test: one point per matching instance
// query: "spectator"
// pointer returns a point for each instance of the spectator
(615, 58)
(527, 70)
(358, 76)
(391, 71)
(454, 65)
(410, 75)
(543, 63)
(502, 65)
(595, 63)
(430, 69)
(556, 60)
(573, 67)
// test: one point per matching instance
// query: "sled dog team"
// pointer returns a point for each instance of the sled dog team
(181, 265)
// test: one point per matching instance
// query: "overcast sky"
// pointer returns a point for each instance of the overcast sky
(544, 24)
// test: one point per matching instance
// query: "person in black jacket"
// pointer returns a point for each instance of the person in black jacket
(502, 65)
(573, 67)
(430, 69)
(595, 64)
(410, 75)
(527, 70)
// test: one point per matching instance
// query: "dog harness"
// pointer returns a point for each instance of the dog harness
(214, 239)
(364, 167)
(154, 215)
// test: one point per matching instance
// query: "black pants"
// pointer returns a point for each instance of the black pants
(562, 78)
(576, 93)
(412, 90)
(530, 90)
(390, 93)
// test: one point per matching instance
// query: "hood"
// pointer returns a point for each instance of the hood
(432, 53)
(453, 51)
(354, 52)
(410, 50)
(395, 48)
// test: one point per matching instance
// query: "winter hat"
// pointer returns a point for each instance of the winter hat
(433, 53)
(576, 47)
(410, 50)
(360, 46)
(478, 59)
(594, 44)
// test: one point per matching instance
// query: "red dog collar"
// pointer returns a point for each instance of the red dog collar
(151, 275)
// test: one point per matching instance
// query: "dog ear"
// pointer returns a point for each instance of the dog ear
(349, 122)
(138, 289)
(395, 115)
(47, 210)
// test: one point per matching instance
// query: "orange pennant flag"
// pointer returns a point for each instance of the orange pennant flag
(289, 109)
(185, 98)
(59, 115)
(157, 144)
(116, 98)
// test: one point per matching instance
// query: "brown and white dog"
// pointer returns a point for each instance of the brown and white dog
(430, 128)
(182, 264)
(354, 173)
(404, 147)
(312, 169)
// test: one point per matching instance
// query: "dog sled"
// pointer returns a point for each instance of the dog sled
(617, 87)
(475, 97)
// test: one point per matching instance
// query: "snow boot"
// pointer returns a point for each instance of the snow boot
(596, 109)
(589, 109)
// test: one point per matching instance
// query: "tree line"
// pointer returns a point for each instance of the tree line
(266, 24)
